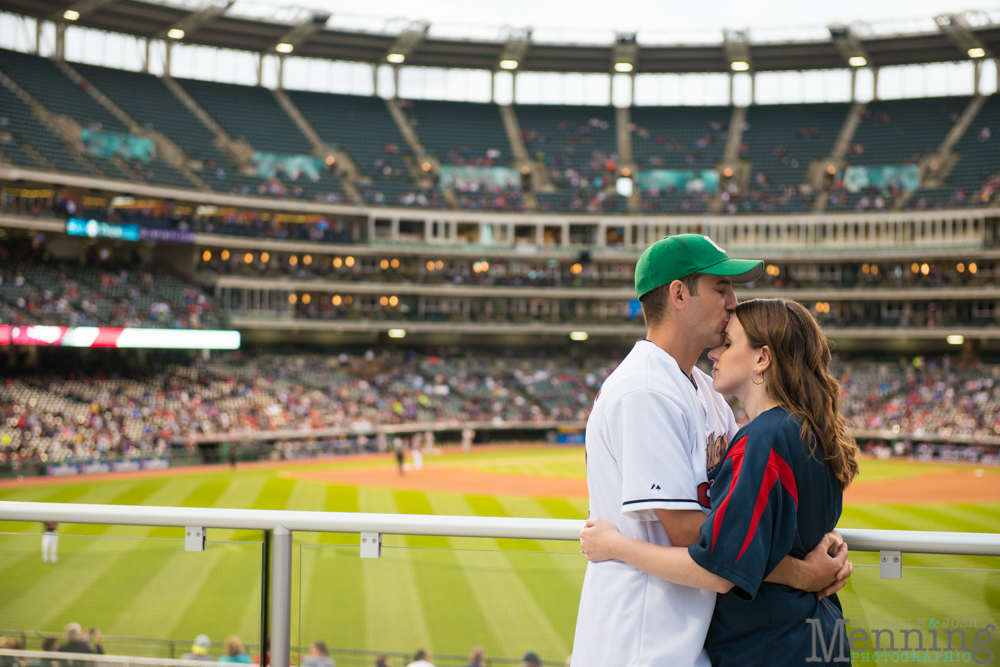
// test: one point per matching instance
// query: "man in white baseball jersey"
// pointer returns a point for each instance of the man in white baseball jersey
(657, 426)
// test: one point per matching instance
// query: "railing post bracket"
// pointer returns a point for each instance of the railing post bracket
(371, 545)
(890, 565)
(194, 538)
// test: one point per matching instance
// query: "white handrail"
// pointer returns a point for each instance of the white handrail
(911, 541)
(91, 658)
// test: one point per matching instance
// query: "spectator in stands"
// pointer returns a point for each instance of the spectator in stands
(199, 649)
(383, 661)
(319, 656)
(14, 645)
(78, 642)
(531, 659)
(477, 657)
(235, 652)
(422, 659)
(50, 644)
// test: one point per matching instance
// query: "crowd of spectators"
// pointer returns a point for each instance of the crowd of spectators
(101, 292)
(83, 416)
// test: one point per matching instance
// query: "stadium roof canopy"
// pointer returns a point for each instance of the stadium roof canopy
(211, 24)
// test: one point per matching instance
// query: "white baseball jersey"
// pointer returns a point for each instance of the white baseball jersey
(646, 450)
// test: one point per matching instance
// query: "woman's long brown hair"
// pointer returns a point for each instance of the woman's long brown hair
(799, 378)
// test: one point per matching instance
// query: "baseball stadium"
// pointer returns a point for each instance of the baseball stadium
(302, 317)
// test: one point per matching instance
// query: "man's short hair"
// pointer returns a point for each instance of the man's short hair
(656, 301)
(321, 647)
(73, 631)
(50, 644)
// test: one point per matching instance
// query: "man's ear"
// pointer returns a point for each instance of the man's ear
(763, 360)
(678, 294)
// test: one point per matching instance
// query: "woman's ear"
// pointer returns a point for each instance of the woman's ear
(763, 360)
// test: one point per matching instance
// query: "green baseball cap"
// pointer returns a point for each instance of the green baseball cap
(674, 257)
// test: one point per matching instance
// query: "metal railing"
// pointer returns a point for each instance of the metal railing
(279, 525)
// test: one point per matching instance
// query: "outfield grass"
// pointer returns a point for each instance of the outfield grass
(444, 594)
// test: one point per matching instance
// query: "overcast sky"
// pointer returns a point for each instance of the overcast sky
(646, 15)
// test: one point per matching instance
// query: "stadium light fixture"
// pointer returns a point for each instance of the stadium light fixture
(624, 52)
(188, 25)
(852, 51)
(397, 333)
(71, 15)
(736, 44)
(407, 42)
(955, 339)
(298, 35)
(578, 335)
(960, 33)
(515, 48)
(76, 10)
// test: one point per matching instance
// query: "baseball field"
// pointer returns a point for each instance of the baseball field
(444, 594)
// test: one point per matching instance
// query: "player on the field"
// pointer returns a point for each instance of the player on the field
(654, 422)
(775, 493)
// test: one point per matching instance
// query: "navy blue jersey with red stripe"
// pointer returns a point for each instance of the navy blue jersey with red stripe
(770, 498)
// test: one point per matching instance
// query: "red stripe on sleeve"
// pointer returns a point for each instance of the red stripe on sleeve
(786, 476)
(736, 454)
(777, 470)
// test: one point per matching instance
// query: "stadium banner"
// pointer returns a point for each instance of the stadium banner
(167, 339)
(269, 165)
(703, 180)
(178, 236)
(462, 178)
(110, 144)
(99, 467)
(106, 230)
(905, 176)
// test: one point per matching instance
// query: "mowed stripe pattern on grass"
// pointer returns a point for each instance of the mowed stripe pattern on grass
(445, 594)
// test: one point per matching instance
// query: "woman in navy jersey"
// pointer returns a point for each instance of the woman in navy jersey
(775, 491)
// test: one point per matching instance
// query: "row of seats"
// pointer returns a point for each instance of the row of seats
(578, 144)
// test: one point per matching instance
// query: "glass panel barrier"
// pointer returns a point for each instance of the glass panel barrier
(943, 609)
(147, 596)
(445, 600)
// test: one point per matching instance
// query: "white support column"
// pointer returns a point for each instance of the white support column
(976, 75)
(513, 87)
(395, 229)
(147, 51)
(38, 37)
(281, 598)
(260, 69)
(564, 235)
(631, 97)
(167, 59)
(874, 83)
(375, 80)
(60, 53)
(281, 72)
(540, 234)
(611, 90)
(395, 82)
(854, 85)
(730, 89)
(753, 88)
(493, 87)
